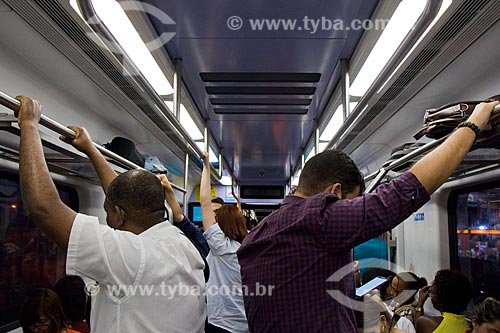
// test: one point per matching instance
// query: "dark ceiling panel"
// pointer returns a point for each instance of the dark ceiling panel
(254, 111)
(260, 77)
(260, 90)
(264, 101)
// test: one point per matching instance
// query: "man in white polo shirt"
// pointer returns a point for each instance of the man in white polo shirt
(149, 276)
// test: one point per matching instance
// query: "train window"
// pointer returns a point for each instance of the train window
(28, 259)
(475, 238)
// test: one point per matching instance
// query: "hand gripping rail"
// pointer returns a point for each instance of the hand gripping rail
(380, 174)
(45, 121)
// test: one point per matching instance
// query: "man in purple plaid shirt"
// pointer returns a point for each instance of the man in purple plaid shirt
(288, 259)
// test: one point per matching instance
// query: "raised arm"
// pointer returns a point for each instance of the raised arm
(83, 143)
(171, 200)
(194, 233)
(207, 213)
(436, 167)
(40, 197)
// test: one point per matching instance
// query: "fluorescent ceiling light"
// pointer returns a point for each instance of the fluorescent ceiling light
(115, 19)
(396, 30)
(212, 158)
(309, 154)
(187, 122)
(226, 180)
(335, 123)
(322, 146)
(74, 4)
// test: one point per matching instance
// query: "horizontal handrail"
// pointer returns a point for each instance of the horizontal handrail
(379, 175)
(95, 23)
(45, 121)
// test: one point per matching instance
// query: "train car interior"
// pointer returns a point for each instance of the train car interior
(263, 86)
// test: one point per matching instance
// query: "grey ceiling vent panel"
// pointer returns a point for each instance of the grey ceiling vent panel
(264, 93)
(257, 111)
(264, 101)
(260, 77)
(226, 90)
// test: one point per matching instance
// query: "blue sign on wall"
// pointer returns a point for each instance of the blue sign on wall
(419, 217)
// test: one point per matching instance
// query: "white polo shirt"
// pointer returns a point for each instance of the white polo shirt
(151, 282)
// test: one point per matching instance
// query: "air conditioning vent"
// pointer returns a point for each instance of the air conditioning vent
(290, 93)
(441, 50)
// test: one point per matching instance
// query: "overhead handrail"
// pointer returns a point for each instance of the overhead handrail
(96, 24)
(429, 13)
(45, 121)
(380, 174)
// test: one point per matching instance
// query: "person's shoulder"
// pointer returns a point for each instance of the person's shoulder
(426, 324)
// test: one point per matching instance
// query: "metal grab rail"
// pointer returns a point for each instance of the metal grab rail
(45, 121)
(429, 13)
(378, 175)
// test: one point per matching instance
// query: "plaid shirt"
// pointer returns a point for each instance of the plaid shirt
(297, 248)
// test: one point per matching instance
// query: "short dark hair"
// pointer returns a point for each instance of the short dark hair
(329, 167)
(137, 192)
(452, 290)
(231, 222)
(218, 200)
(488, 311)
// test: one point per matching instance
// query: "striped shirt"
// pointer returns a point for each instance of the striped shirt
(288, 261)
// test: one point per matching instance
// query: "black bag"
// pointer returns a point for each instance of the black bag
(443, 120)
(401, 151)
(126, 149)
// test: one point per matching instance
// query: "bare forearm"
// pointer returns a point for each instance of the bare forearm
(176, 209)
(104, 171)
(40, 196)
(207, 214)
(437, 166)
(38, 190)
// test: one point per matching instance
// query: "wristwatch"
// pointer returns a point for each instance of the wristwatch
(419, 309)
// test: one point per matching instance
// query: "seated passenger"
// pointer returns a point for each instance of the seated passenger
(224, 231)
(75, 302)
(139, 262)
(42, 312)
(486, 317)
(400, 294)
(373, 272)
(450, 293)
(373, 317)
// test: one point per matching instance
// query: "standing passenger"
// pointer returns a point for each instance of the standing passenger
(297, 249)
(224, 231)
(142, 265)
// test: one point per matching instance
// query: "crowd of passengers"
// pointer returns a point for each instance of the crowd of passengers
(293, 272)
